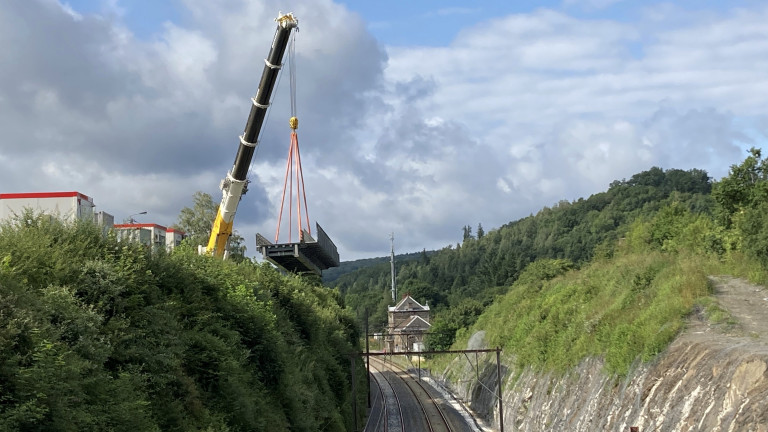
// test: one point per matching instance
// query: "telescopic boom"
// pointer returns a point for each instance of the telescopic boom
(234, 185)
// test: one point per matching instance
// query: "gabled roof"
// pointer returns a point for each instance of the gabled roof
(408, 304)
(415, 324)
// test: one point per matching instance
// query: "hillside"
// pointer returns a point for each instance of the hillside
(97, 334)
(713, 376)
(641, 335)
(598, 305)
(333, 273)
(458, 282)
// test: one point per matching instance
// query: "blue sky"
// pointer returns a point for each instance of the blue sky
(397, 23)
(417, 117)
(424, 22)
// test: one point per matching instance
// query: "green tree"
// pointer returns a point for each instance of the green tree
(745, 186)
(742, 197)
(98, 334)
(197, 222)
(423, 257)
(467, 232)
(423, 292)
(480, 231)
(445, 325)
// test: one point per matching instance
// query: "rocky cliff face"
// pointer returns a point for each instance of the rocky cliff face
(712, 378)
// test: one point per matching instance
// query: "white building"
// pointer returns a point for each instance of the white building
(150, 234)
(173, 237)
(64, 205)
(69, 206)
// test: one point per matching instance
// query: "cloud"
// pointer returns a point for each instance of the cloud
(565, 105)
(518, 112)
(144, 123)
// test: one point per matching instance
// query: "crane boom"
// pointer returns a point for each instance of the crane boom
(234, 185)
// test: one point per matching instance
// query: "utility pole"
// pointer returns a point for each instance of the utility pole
(498, 377)
(367, 358)
(392, 266)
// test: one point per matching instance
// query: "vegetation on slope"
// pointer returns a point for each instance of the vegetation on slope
(97, 334)
(631, 302)
(459, 282)
(614, 275)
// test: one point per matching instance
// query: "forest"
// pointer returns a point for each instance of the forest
(98, 334)
(586, 274)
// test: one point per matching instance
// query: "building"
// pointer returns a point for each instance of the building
(104, 219)
(173, 237)
(408, 323)
(67, 206)
(70, 206)
(150, 234)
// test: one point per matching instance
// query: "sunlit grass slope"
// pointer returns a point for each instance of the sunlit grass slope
(625, 305)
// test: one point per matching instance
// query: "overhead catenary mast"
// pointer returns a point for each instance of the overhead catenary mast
(392, 267)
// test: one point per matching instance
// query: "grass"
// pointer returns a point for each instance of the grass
(714, 313)
(622, 309)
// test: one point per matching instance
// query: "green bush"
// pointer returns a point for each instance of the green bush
(97, 334)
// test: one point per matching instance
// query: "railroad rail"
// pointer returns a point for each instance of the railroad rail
(432, 414)
(374, 355)
(392, 420)
(379, 413)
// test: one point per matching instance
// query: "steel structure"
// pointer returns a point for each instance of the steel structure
(392, 267)
(307, 255)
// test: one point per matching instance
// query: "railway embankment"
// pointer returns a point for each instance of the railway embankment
(712, 377)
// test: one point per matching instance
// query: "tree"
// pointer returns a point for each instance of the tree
(197, 222)
(444, 326)
(467, 232)
(744, 187)
(423, 292)
(423, 257)
(480, 231)
(742, 198)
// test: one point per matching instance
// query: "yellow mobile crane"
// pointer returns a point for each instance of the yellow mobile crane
(234, 185)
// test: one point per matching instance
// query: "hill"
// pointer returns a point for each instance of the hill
(641, 334)
(460, 281)
(333, 273)
(97, 334)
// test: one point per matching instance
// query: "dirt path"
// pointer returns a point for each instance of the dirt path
(748, 305)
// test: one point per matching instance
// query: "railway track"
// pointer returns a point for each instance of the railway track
(419, 411)
(389, 416)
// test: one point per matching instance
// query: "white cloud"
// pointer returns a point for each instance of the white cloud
(516, 113)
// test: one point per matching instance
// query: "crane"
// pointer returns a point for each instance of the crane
(235, 184)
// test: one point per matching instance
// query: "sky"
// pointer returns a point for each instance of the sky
(416, 118)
